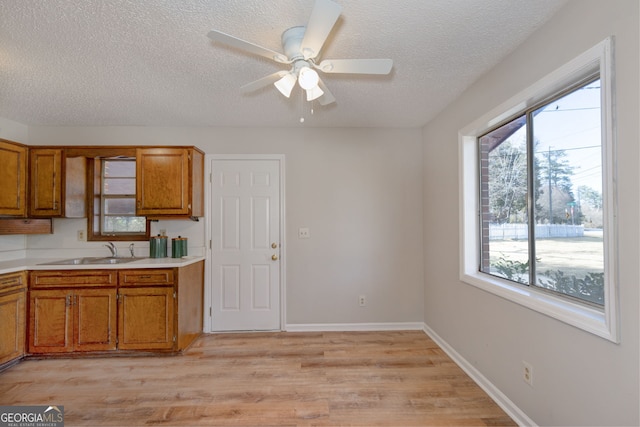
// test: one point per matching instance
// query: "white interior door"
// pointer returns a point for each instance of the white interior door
(245, 247)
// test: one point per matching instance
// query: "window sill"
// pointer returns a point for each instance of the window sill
(581, 316)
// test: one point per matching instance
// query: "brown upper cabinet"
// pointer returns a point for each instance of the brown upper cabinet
(13, 176)
(46, 177)
(169, 182)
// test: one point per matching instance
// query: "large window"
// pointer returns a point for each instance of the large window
(114, 201)
(538, 197)
(554, 153)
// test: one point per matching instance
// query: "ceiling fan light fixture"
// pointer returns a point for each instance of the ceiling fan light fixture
(285, 84)
(314, 93)
(308, 78)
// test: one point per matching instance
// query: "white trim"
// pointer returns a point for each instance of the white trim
(603, 323)
(352, 327)
(208, 303)
(499, 397)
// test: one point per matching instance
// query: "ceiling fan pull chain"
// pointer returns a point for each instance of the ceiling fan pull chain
(302, 106)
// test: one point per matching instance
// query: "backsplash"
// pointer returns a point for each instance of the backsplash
(64, 241)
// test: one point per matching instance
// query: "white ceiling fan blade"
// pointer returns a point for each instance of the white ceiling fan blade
(356, 66)
(323, 17)
(328, 97)
(265, 81)
(218, 36)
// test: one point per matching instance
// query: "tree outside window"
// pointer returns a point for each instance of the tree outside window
(541, 197)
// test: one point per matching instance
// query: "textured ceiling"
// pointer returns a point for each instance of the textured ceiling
(150, 63)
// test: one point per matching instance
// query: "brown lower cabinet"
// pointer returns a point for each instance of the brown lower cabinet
(72, 311)
(146, 318)
(146, 312)
(115, 310)
(13, 287)
(72, 320)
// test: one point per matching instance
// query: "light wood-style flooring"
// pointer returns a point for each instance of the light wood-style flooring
(263, 379)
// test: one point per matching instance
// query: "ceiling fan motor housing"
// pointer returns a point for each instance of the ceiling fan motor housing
(292, 43)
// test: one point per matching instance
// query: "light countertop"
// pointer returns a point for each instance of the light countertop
(12, 266)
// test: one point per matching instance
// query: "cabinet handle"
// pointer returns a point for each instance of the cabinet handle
(68, 301)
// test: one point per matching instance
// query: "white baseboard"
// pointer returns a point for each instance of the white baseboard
(326, 327)
(500, 398)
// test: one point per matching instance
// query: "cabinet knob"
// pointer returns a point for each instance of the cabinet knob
(274, 257)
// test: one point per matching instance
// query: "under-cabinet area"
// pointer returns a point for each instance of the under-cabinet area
(100, 311)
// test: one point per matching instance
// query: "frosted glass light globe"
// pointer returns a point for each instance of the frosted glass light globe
(308, 78)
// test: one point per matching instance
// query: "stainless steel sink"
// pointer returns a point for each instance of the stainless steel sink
(91, 261)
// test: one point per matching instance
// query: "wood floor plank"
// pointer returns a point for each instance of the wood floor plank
(263, 379)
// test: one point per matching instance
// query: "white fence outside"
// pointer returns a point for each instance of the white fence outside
(521, 231)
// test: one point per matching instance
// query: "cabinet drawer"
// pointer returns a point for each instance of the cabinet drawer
(72, 278)
(157, 277)
(12, 282)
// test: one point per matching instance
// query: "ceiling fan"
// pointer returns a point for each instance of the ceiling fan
(301, 46)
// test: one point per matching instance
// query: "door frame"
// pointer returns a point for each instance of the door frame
(208, 187)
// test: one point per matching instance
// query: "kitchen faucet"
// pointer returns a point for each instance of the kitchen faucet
(113, 249)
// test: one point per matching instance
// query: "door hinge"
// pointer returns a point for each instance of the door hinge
(174, 338)
(210, 312)
(211, 178)
(210, 244)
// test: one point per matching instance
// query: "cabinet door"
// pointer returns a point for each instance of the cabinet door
(12, 332)
(146, 318)
(46, 182)
(94, 323)
(13, 176)
(50, 321)
(162, 181)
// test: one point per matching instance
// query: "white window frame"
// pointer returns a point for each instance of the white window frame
(601, 322)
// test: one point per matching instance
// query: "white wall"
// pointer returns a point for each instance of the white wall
(13, 131)
(358, 190)
(579, 379)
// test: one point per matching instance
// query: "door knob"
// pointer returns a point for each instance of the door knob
(274, 245)
(274, 257)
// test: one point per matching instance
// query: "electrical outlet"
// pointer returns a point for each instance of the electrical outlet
(362, 301)
(527, 373)
(81, 236)
(303, 233)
